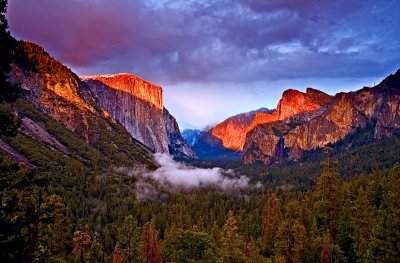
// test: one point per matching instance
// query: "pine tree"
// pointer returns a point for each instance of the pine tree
(8, 92)
(130, 237)
(326, 250)
(291, 235)
(54, 226)
(385, 245)
(230, 251)
(272, 216)
(327, 192)
(151, 249)
(97, 252)
(362, 224)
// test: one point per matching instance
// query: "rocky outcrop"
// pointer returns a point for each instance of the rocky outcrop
(225, 140)
(134, 103)
(343, 115)
(294, 104)
(176, 144)
(191, 136)
(262, 145)
(294, 108)
(232, 131)
(137, 105)
(130, 101)
(351, 111)
(53, 88)
(37, 131)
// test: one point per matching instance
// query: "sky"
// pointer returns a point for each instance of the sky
(217, 58)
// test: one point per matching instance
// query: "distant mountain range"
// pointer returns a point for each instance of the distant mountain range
(191, 136)
(302, 121)
(223, 141)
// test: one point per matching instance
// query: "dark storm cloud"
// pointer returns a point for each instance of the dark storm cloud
(215, 40)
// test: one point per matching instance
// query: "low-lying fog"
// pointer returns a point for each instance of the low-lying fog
(186, 176)
(177, 176)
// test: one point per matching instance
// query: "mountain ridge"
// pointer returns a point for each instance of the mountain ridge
(343, 115)
(57, 91)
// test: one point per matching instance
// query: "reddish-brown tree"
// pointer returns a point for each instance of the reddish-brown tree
(151, 249)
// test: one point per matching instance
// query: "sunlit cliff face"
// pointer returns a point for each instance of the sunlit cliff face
(138, 106)
(133, 85)
(233, 131)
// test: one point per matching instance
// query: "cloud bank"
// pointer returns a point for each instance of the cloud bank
(194, 48)
(184, 176)
(172, 41)
(173, 176)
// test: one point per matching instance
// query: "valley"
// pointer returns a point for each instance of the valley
(95, 168)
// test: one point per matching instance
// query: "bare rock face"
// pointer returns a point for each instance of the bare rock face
(340, 119)
(138, 106)
(294, 108)
(262, 145)
(176, 144)
(134, 103)
(232, 131)
(53, 88)
(294, 103)
(343, 115)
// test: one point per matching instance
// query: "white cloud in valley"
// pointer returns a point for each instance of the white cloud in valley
(181, 175)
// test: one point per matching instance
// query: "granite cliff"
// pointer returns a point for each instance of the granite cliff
(176, 144)
(225, 140)
(294, 104)
(54, 89)
(335, 118)
(232, 131)
(130, 101)
(134, 103)
(138, 106)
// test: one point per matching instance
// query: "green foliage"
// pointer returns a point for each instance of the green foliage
(9, 122)
(291, 235)
(18, 212)
(129, 236)
(79, 207)
(361, 225)
(188, 246)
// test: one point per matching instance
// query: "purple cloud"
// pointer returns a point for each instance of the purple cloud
(242, 40)
(212, 42)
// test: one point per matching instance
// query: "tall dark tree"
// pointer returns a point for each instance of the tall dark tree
(3, 19)
(81, 243)
(291, 235)
(18, 200)
(272, 215)
(231, 241)
(328, 194)
(129, 236)
(385, 244)
(362, 224)
(8, 92)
